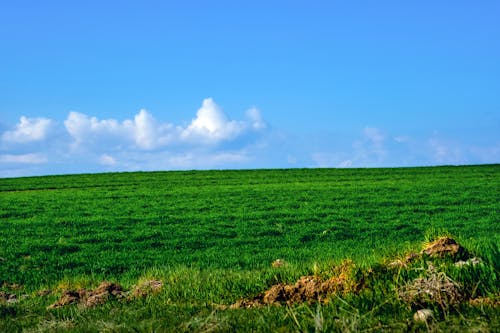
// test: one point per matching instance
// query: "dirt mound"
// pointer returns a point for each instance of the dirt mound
(149, 287)
(443, 247)
(68, 297)
(440, 248)
(100, 295)
(306, 289)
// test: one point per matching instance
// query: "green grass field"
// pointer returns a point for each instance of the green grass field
(211, 237)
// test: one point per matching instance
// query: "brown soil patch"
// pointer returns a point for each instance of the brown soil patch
(444, 246)
(440, 248)
(68, 297)
(149, 287)
(104, 292)
(101, 294)
(307, 289)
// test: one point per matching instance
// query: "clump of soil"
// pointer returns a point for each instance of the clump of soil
(445, 247)
(440, 248)
(101, 294)
(68, 297)
(88, 298)
(306, 289)
(149, 287)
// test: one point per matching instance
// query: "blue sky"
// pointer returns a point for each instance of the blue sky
(97, 86)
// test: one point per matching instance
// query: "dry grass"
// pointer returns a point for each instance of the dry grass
(434, 288)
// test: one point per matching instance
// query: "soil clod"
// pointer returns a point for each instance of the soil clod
(89, 298)
(444, 246)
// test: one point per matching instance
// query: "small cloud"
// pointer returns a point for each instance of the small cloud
(345, 164)
(486, 154)
(31, 158)
(28, 130)
(401, 139)
(212, 125)
(444, 152)
(371, 148)
(106, 159)
(374, 135)
(255, 118)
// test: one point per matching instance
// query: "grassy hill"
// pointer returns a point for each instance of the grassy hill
(211, 238)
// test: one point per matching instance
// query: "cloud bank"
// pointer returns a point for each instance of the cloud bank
(210, 140)
(84, 143)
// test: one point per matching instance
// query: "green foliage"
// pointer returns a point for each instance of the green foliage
(211, 236)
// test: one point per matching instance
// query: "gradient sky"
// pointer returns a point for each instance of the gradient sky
(95, 86)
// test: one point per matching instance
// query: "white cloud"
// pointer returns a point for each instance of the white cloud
(212, 125)
(106, 159)
(28, 130)
(345, 164)
(371, 149)
(401, 139)
(84, 128)
(256, 121)
(374, 136)
(444, 152)
(486, 154)
(31, 158)
(144, 132)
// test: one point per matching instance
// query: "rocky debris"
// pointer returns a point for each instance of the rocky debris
(423, 315)
(89, 298)
(149, 287)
